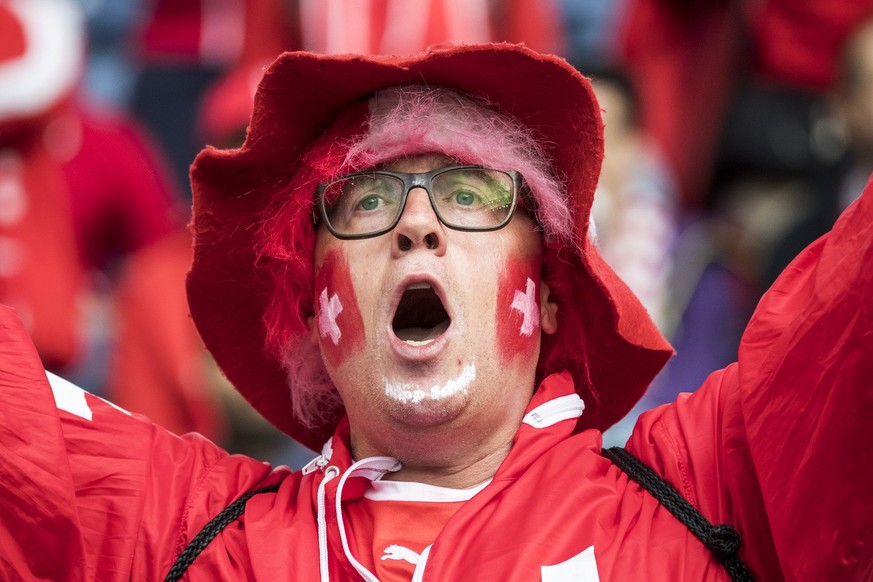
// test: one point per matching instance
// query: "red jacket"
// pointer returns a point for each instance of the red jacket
(779, 445)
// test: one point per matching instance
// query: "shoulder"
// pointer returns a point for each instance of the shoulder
(84, 479)
(693, 441)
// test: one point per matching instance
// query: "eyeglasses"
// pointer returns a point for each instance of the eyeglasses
(469, 198)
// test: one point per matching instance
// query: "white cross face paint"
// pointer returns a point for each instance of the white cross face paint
(407, 393)
(526, 303)
(329, 309)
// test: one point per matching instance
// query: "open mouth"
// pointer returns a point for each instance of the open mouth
(420, 317)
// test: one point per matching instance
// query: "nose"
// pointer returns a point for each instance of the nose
(418, 227)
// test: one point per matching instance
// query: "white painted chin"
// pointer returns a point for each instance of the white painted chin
(411, 393)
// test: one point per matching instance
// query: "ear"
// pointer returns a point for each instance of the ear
(313, 330)
(548, 310)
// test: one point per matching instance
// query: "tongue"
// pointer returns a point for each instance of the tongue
(422, 334)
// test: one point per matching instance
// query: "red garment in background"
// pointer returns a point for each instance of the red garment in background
(40, 266)
(200, 31)
(682, 70)
(687, 58)
(160, 367)
(799, 43)
(76, 192)
(271, 26)
(121, 199)
(368, 27)
(217, 31)
(223, 31)
(402, 27)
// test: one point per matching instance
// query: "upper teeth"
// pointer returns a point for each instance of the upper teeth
(421, 285)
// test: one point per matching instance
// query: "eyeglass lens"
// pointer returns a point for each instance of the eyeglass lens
(474, 198)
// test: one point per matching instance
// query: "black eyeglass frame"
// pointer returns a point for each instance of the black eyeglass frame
(425, 180)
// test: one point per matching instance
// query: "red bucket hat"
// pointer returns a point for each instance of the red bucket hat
(605, 338)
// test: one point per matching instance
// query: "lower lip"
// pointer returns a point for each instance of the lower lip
(419, 353)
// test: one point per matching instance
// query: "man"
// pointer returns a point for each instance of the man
(396, 269)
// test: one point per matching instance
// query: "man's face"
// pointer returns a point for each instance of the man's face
(427, 328)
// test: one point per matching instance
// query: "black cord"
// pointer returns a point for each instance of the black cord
(215, 526)
(722, 540)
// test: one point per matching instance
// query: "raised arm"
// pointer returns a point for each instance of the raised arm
(781, 443)
(89, 491)
(40, 531)
(806, 393)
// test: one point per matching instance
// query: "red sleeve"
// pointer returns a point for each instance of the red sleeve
(779, 444)
(36, 483)
(91, 492)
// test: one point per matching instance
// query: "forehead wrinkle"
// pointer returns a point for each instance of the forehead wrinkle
(432, 160)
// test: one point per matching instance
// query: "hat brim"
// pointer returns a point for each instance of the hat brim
(300, 94)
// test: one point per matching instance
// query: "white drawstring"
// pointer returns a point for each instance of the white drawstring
(372, 468)
(329, 474)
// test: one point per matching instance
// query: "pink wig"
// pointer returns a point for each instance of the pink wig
(395, 123)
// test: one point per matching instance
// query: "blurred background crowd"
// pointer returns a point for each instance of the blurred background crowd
(736, 131)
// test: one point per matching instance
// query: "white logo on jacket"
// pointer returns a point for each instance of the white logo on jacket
(396, 552)
(580, 568)
(71, 398)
